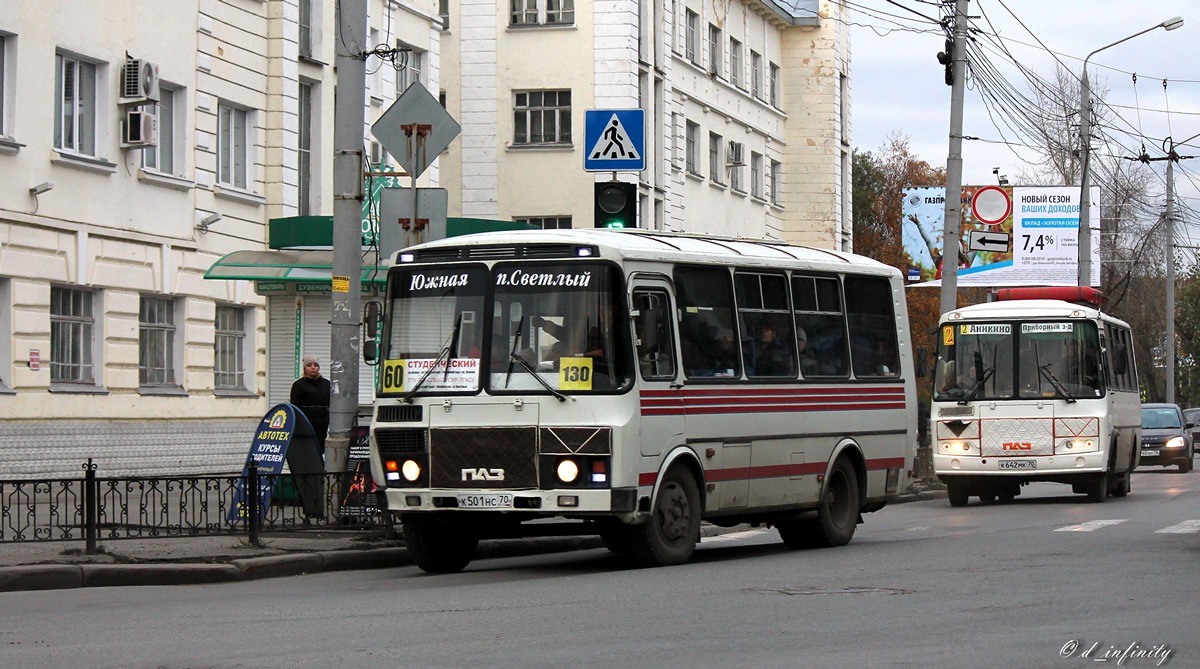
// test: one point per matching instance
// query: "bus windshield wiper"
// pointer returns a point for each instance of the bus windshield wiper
(1044, 370)
(452, 347)
(441, 356)
(512, 353)
(514, 358)
(970, 394)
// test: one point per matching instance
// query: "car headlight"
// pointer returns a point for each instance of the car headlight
(1174, 442)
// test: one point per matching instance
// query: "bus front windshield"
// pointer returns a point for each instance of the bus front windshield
(559, 328)
(1036, 359)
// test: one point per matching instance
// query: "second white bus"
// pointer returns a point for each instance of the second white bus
(630, 384)
(1035, 390)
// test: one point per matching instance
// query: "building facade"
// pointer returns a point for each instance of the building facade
(747, 107)
(142, 141)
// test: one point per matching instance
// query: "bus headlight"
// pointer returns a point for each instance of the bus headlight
(1174, 442)
(411, 471)
(567, 471)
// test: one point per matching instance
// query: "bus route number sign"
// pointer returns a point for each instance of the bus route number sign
(574, 373)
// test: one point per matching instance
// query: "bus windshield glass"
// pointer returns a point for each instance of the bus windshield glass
(1035, 359)
(559, 329)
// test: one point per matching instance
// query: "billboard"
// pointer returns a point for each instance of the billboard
(1011, 235)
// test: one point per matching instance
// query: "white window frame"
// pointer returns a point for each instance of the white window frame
(692, 37)
(548, 222)
(736, 66)
(166, 158)
(692, 147)
(756, 175)
(716, 51)
(6, 78)
(79, 320)
(76, 105)
(716, 158)
(529, 111)
(409, 67)
(773, 85)
(230, 342)
(233, 145)
(158, 364)
(307, 22)
(305, 132)
(541, 12)
(776, 176)
(755, 74)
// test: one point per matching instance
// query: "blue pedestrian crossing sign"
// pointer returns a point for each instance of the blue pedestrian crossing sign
(615, 140)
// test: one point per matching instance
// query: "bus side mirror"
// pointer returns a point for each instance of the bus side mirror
(370, 330)
(922, 362)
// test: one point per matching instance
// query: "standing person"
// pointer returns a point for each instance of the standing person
(310, 392)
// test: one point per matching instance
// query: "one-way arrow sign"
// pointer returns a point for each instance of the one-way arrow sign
(982, 240)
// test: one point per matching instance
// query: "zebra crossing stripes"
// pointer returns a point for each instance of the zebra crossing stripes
(1186, 527)
(1091, 525)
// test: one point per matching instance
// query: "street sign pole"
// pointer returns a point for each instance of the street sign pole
(347, 231)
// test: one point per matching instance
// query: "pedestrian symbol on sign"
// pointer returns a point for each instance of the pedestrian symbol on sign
(614, 143)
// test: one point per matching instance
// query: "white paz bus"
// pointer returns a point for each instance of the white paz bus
(630, 384)
(1031, 389)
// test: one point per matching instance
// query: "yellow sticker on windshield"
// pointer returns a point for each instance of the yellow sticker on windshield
(948, 335)
(391, 376)
(574, 373)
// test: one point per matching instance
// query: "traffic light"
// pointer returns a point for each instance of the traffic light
(616, 204)
(947, 58)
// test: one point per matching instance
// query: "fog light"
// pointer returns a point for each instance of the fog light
(599, 471)
(568, 500)
(411, 470)
(567, 471)
(412, 500)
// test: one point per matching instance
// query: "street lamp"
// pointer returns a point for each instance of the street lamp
(1085, 138)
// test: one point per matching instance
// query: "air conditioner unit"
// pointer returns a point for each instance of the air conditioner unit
(139, 82)
(139, 129)
(736, 153)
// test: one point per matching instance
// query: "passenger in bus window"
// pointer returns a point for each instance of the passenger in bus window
(808, 359)
(725, 358)
(771, 357)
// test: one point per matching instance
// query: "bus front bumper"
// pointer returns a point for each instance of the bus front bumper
(612, 502)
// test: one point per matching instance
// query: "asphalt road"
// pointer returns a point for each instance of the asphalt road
(1047, 581)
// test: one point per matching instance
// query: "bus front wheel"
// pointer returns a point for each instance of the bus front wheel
(669, 536)
(439, 547)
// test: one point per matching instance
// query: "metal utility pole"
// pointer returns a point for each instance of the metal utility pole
(1170, 216)
(345, 346)
(952, 229)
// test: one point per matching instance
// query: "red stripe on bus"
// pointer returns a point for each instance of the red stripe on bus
(772, 471)
(769, 408)
(750, 391)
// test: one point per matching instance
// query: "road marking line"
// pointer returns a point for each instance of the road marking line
(732, 536)
(1090, 526)
(1186, 527)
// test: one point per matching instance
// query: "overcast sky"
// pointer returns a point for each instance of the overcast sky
(897, 83)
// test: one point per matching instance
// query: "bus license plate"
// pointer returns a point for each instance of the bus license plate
(1018, 464)
(486, 501)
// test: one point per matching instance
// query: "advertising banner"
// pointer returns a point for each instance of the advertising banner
(1010, 236)
(283, 435)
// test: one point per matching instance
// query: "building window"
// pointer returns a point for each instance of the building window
(231, 146)
(72, 326)
(542, 117)
(543, 12)
(755, 74)
(716, 162)
(735, 64)
(4, 78)
(229, 366)
(304, 152)
(756, 175)
(773, 85)
(716, 56)
(775, 176)
(735, 167)
(408, 68)
(156, 341)
(306, 28)
(692, 155)
(548, 222)
(692, 42)
(444, 12)
(75, 105)
(161, 158)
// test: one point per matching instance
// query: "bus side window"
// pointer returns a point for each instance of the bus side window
(655, 343)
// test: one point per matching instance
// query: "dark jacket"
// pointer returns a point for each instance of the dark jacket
(312, 396)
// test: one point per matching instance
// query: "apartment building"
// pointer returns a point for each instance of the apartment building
(140, 143)
(747, 107)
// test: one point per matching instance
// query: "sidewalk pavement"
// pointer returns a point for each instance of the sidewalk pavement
(55, 565)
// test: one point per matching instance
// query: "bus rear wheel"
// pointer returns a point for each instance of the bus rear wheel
(958, 493)
(437, 546)
(669, 536)
(837, 513)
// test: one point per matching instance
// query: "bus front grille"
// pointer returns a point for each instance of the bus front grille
(495, 458)
(400, 442)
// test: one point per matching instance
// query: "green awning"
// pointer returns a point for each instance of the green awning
(292, 266)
